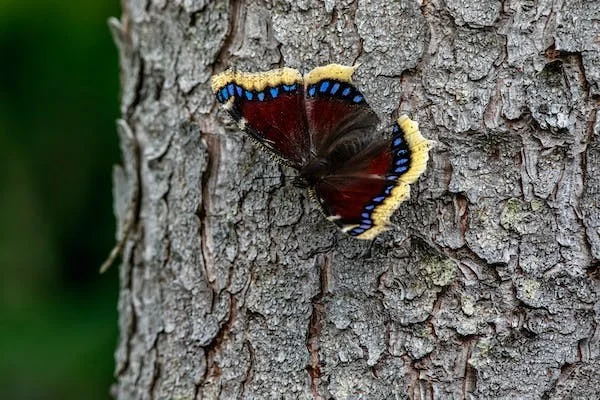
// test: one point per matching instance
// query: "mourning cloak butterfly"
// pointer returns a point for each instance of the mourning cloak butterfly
(322, 126)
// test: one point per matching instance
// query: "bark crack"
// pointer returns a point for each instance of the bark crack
(155, 373)
(229, 36)
(566, 370)
(315, 327)
(250, 370)
(352, 17)
(214, 345)
(209, 177)
(469, 373)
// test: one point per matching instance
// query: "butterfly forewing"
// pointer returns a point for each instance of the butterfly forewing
(269, 106)
(335, 107)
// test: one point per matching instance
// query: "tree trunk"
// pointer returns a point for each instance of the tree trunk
(234, 286)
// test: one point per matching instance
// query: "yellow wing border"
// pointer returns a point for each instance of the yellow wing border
(381, 211)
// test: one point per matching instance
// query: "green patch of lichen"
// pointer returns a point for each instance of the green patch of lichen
(440, 272)
(467, 305)
(530, 289)
(536, 205)
(512, 214)
(480, 353)
(524, 217)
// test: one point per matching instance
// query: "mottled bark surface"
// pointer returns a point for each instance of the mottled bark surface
(234, 286)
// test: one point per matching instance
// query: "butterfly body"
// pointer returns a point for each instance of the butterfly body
(322, 126)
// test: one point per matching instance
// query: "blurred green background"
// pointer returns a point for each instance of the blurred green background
(58, 103)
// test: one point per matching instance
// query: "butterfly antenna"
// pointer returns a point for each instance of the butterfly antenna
(270, 177)
(282, 177)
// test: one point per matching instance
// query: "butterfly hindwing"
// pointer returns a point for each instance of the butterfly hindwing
(361, 205)
(269, 106)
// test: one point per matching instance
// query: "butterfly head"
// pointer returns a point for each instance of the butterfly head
(300, 182)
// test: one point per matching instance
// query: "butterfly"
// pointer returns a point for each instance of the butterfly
(322, 126)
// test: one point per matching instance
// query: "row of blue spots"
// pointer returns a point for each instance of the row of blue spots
(365, 225)
(401, 169)
(401, 163)
(231, 89)
(327, 87)
(357, 231)
(401, 153)
(366, 222)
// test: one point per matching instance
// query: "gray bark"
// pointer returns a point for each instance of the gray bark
(234, 286)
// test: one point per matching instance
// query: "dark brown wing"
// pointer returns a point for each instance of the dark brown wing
(361, 195)
(336, 110)
(269, 106)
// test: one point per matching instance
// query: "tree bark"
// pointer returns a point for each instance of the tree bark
(234, 286)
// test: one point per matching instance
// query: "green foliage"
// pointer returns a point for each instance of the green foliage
(58, 104)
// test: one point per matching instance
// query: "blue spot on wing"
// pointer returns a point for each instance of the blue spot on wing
(274, 92)
(378, 199)
(239, 90)
(249, 95)
(324, 86)
(224, 94)
(311, 91)
(261, 96)
(401, 169)
(357, 99)
(346, 92)
(397, 141)
(401, 161)
(335, 88)
(230, 89)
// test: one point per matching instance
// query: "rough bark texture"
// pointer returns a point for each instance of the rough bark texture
(234, 286)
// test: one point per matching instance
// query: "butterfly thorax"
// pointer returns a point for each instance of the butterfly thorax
(313, 172)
